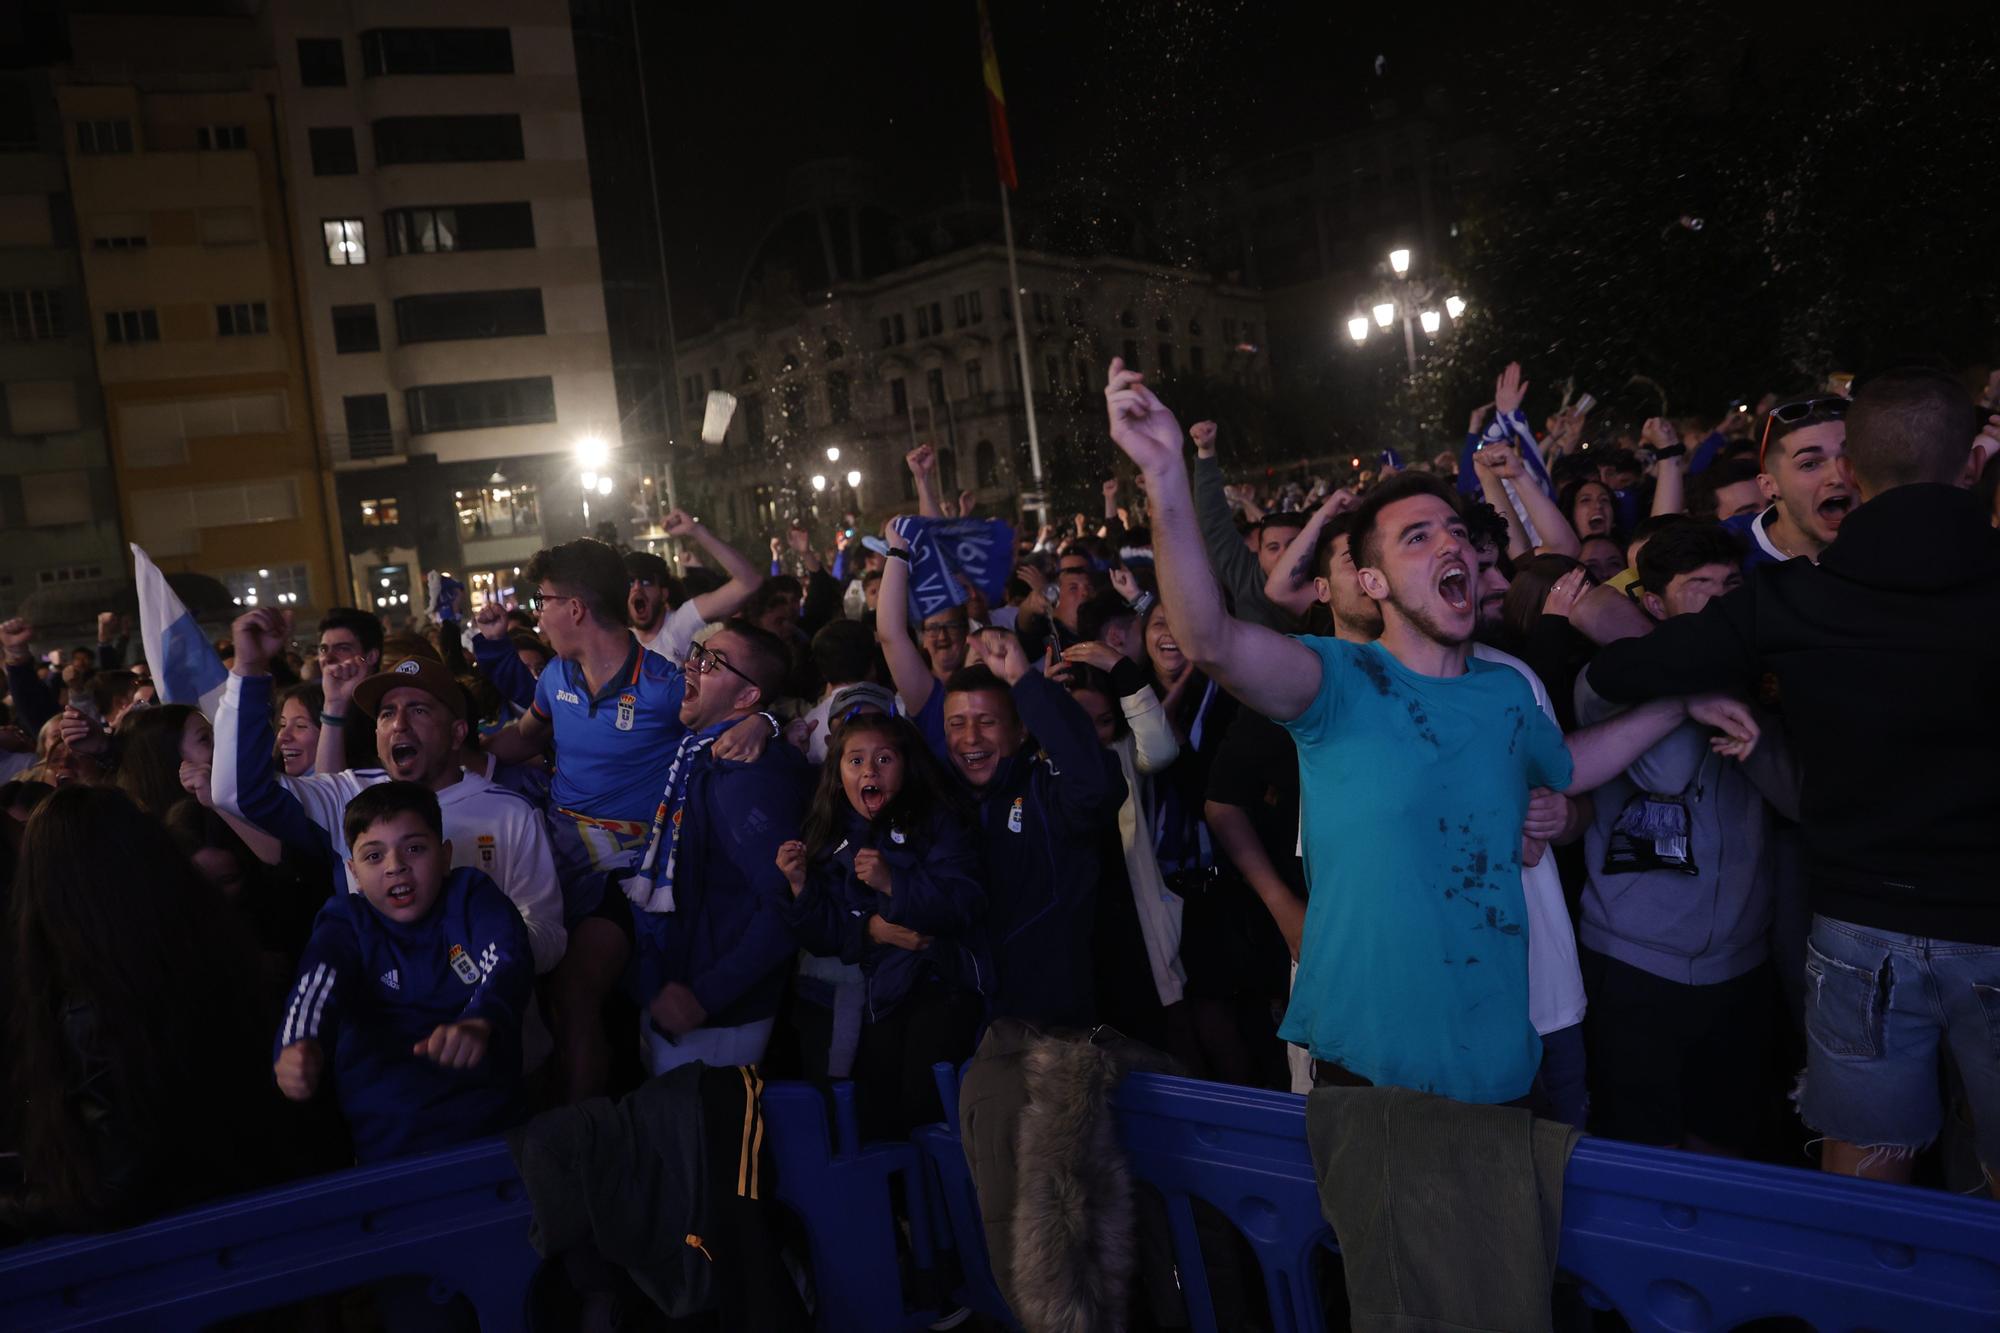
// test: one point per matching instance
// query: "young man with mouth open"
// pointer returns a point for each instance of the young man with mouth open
(1416, 763)
(1807, 493)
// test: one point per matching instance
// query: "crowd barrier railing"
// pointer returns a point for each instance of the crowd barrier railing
(1671, 1240)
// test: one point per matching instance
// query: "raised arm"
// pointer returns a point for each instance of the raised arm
(336, 713)
(243, 778)
(522, 739)
(923, 466)
(1274, 674)
(1290, 582)
(1486, 465)
(1669, 467)
(744, 576)
(34, 702)
(908, 670)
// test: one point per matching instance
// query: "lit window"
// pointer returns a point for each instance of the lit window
(346, 241)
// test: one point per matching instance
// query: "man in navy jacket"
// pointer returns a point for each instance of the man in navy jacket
(708, 898)
(1043, 789)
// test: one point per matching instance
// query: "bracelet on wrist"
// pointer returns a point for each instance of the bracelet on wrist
(1675, 450)
(332, 720)
(899, 553)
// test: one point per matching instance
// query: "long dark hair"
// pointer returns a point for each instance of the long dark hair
(149, 756)
(128, 973)
(924, 790)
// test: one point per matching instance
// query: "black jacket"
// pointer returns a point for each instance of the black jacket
(1039, 820)
(1886, 654)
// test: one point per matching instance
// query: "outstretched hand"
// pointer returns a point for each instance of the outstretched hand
(1732, 718)
(1141, 425)
(1509, 390)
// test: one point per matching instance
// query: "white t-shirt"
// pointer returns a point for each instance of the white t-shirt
(676, 632)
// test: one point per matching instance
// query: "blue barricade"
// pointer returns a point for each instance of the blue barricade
(1672, 1241)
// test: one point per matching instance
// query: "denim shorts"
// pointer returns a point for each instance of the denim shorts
(1877, 1006)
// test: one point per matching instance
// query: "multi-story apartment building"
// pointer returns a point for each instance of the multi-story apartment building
(927, 353)
(177, 181)
(450, 281)
(60, 557)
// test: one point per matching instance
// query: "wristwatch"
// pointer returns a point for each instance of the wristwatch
(899, 553)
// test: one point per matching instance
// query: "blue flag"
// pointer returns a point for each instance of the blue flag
(185, 667)
(945, 550)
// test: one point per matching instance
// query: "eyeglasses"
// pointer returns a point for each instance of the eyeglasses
(700, 661)
(538, 600)
(947, 629)
(1829, 409)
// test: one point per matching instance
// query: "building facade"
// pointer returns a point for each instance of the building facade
(450, 280)
(170, 127)
(61, 560)
(844, 386)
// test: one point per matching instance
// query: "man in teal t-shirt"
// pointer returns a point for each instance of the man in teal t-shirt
(1416, 762)
(1414, 970)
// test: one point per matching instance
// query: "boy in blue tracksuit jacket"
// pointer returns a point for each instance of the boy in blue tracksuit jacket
(415, 986)
(1043, 790)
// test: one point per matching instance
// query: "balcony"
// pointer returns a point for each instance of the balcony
(368, 447)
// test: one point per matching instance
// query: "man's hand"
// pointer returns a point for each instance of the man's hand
(745, 742)
(337, 681)
(460, 1045)
(82, 735)
(900, 937)
(1001, 650)
(1091, 653)
(677, 523)
(1141, 425)
(1110, 489)
(895, 540)
(1509, 390)
(1082, 525)
(675, 1010)
(1660, 433)
(298, 1068)
(792, 865)
(1124, 584)
(872, 870)
(107, 626)
(922, 461)
(799, 733)
(1477, 422)
(15, 637)
(1548, 815)
(259, 636)
(966, 502)
(1338, 503)
(1499, 459)
(490, 620)
(195, 782)
(1730, 716)
(1203, 435)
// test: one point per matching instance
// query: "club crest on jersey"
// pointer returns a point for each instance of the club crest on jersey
(628, 711)
(461, 963)
(1014, 817)
(486, 851)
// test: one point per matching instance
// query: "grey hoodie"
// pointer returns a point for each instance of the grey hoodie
(1694, 929)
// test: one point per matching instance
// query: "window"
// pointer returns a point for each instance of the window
(1045, 309)
(834, 351)
(157, 434)
(937, 317)
(278, 585)
(897, 320)
(436, 229)
(899, 397)
(17, 118)
(888, 334)
(436, 51)
(1073, 311)
(354, 329)
(346, 241)
(1006, 306)
(322, 62)
(1194, 327)
(972, 305)
(66, 574)
(41, 407)
(104, 136)
(241, 320)
(1163, 324)
(986, 465)
(958, 311)
(792, 409)
(1197, 362)
(934, 381)
(1166, 358)
(1229, 330)
(923, 322)
(1249, 331)
(1127, 320)
(403, 139)
(1131, 355)
(380, 513)
(691, 390)
(55, 499)
(477, 404)
(1054, 367)
(753, 418)
(975, 379)
(498, 511)
(368, 432)
(131, 326)
(947, 471)
(33, 314)
(231, 226)
(839, 398)
(448, 316)
(220, 138)
(333, 150)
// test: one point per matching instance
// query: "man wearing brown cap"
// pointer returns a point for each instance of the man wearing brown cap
(420, 726)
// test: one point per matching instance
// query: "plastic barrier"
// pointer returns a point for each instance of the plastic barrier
(460, 1218)
(1673, 1241)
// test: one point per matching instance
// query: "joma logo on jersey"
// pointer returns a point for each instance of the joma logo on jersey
(565, 697)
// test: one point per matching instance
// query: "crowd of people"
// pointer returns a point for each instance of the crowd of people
(1621, 780)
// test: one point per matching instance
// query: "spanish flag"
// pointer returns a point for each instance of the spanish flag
(996, 104)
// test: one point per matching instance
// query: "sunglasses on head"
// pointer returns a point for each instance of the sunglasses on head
(1790, 414)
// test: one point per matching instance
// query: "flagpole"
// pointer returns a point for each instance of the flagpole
(1041, 498)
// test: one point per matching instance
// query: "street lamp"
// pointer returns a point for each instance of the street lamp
(1357, 328)
(1399, 260)
(1409, 297)
(1385, 314)
(1454, 306)
(833, 453)
(819, 481)
(1431, 321)
(592, 452)
(854, 479)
